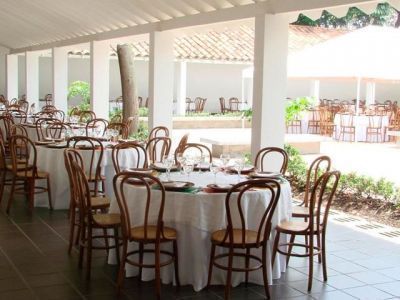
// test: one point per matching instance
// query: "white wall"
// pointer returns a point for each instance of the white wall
(206, 80)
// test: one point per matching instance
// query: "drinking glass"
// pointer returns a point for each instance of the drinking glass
(187, 169)
(225, 160)
(168, 162)
(214, 168)
(181, 160)
(239, 166)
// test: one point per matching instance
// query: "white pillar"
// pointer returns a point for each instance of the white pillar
(358, 95)
(314, 89)
(181, 89)
(100, 78)
(32, 78)
(11, 76)
(370, 92)
(161, 79)
(270, 78)
(60, 78)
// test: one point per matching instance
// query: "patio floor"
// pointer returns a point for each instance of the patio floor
(34, 264)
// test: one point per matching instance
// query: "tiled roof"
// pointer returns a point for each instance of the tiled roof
(232, 45)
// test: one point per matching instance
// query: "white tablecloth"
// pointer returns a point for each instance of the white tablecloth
(195, 217)
(361, 123)
(52, 160)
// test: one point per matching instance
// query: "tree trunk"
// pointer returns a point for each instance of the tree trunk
(130, 106)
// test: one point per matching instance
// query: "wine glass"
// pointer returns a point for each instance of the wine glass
(225, 160)
(97, 131)
(187, 169)
(239, 166)
(214, 168)
(168, 162)
(181, 160)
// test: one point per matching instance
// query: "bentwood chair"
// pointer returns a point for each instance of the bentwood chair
(157, 148)
(94, 150)
(19, 116)
(319, 166)
(92, 222)
(98, 126)
(120, 150)
(234, 104)
(58, 114)
(55, 129)
(41, 125)
(238, 239)
(24, 168)
(159, 131)
(99, 203)
(265, 156)
(374, 128)
(314, 123)
(18, 129)
(149, 227)
(86, 115)
(197, 150)
(48, 108)
(347, 127)
(24, 105)
(314, 227)
(121, 127)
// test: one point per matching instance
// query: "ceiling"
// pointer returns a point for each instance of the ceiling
(41, 24)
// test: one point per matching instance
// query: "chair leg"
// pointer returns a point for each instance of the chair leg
(141, 246)
(107, 244)
(319, 247)
(310, 262)
(275, 248)
(11, 197)
(82, 243)
(116, 242)
(157, 270)
(49, 193)
(71, 229)
(264, 270)
(121, 271)
(2, 183)
(292, 238)
(89, 253)
(229, 275)
(247, 265)
(324, 268)
(210, 267)
(31, 195)
(176, 263)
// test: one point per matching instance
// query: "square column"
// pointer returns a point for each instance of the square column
(11, 76)
(370, 92)
(32, 78)
(100, 78)
(161, 79)
(270, 79)
(181, 89)
(314, 89)
(60, 78)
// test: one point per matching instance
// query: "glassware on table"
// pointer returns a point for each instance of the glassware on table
(187, 169)
(168, 162)
(214, 168)
(97, 131)
(181, 160)
(239, 166)
(225, 158)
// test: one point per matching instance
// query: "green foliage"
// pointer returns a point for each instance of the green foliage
(295, 107)
(142, 133)
(116, 111)
(384, 15)
(247, 113)
(297, 167)
(143, 111)
(79, 88)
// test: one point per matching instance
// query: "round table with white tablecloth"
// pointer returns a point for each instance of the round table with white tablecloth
(195, 216)
(361, 123)
(52, 160)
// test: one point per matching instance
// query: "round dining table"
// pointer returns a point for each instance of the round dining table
(195, 215)
(50, 158)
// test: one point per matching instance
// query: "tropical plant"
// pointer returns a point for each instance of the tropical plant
(79, 88)
(295, 107)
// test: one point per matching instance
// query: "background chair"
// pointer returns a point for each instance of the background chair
(266, 158)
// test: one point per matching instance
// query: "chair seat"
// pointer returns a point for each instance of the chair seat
(137, 233)
(20, 166)
(100, 202)
(29, 174)
(294, 227)
(107, 220)
(300, 211)
(250, 237)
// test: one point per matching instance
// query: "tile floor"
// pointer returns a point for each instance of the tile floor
(34, 264)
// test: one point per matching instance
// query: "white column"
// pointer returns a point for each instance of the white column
(181, 89)
(100, 78)
(370, 92)
(358, 95)
(314, 89)
(161, 79)
(60, 78)
(32, 78)
(270, 78)
(11, 76)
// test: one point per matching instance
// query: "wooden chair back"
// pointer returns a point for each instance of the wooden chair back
(19, 116)
(86, 116)
(18, 129)
(234, 104)
(24, 105)
(56, 129)
(154, 210)
(198, 150)
(267, 153)
(318, 167)
(48, 108)
(157, 148)
(96, 126)
(159, 131)
(222, 105)
(236, 203)
(6, 121)
(121, 127)
(71, 155)
(23, 155)
(41, 125)
(138, 150)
